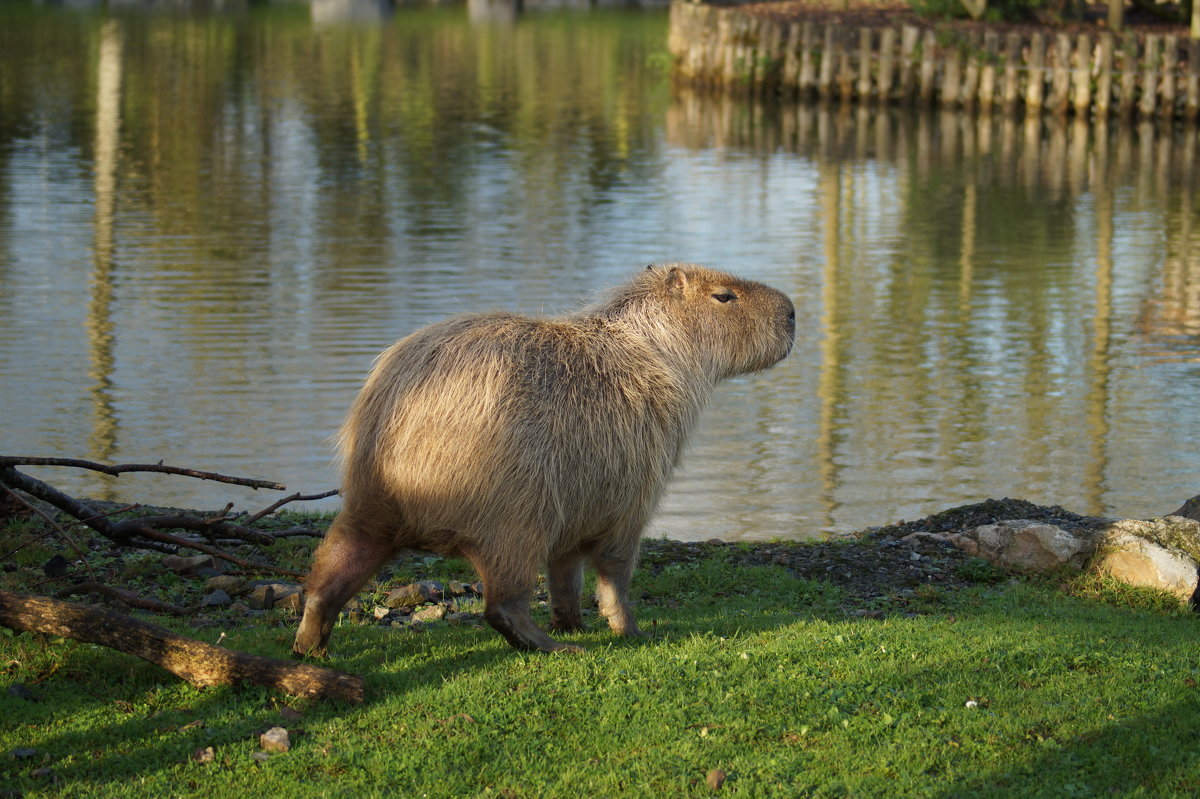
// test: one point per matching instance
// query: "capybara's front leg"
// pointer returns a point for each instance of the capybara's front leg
(614, 571)
(565, 576)
(342, 564)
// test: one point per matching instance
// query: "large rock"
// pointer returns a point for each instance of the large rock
(1026, 545)
(1136, 561)
(1158, 553)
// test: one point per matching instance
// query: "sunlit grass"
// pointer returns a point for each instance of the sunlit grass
(1010, 689)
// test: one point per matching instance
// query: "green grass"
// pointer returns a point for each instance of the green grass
(1083, 693)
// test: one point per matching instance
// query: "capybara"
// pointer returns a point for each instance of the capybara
(517, 442)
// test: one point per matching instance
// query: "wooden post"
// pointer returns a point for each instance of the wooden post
(1035, 90)
(1151, 65)
(1012, 56)
(808, 46)
(1080, 77)
(1170, 64)
(887, 63)
(1128, 72)
(864, 63)
(909, 36)
(789, 78)
(845, 75)
(1104, 58)
(970, 81)
(928, 73)
(829, 54)
(951, 77)
(1060, 81)
(987, 75)
(1191, 105)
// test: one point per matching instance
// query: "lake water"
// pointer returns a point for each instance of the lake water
(211, 222)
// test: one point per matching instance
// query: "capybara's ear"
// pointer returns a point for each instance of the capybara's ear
(676, 280)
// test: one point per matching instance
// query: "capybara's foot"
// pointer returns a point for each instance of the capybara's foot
(312, 654)
(567, 624)
(511, 619)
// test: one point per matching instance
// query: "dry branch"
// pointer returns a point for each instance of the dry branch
(194, 661)
(120, 468)
(148, 531)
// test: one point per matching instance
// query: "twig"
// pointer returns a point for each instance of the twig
(127, 597)
(124, 532)
(79, 553)
(297, 497)
(116, 469)
(167, 538)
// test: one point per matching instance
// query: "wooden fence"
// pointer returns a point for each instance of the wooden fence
(1101, 75)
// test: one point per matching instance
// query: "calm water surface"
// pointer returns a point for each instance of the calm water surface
(210, 224)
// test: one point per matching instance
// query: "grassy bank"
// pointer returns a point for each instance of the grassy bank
(1008, 688)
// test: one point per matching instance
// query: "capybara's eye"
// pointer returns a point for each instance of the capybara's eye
(724, 296)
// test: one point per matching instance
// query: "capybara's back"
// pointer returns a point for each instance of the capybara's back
(519, 442)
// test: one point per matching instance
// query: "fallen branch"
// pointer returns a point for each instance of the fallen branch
(121, 468)
(196, 662)
(126, 597)
(148, 531)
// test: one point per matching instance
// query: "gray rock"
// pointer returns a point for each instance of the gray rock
(431, 613)
(414, 594)
(275, 740)
(181, 564)
(266, 596)
(1137, 561)
(1028, 545)
(217, 599)
(234, 586)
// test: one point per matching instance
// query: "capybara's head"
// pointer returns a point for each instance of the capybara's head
(732, 325)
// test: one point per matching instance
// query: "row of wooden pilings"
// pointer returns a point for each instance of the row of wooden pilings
(1101, 75)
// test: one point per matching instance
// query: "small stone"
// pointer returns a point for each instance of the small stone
(265, 597)
(458, 588)
(204, 755)
(56, 567)
(275, 740)
(217, 599)
(260, 757)
(293, 602)
(715, 779)
(290, 713)
(228, 583)
(44, 773)
(432, 613)
(380, 611)
(462, 618)
(181, 564)
(405, 596)
(21, 691)
(24, 753)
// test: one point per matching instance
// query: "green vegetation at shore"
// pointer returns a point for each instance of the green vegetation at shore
(979, 687)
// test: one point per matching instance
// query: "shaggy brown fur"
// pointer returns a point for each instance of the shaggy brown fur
(518, 442)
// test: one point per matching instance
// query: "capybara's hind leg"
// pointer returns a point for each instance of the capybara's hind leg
(508, 583)
(342, 564)
(565, 576)
(614, 571)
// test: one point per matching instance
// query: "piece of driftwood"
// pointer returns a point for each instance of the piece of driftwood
(194, 661)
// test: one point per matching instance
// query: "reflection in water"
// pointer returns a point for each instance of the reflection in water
(986, 306)
(103, 441)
